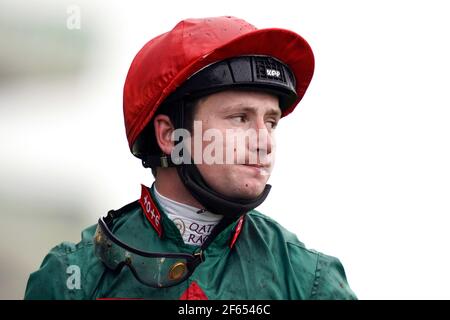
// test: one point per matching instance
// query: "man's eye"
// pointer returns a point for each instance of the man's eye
(272, 124)
(240, 118)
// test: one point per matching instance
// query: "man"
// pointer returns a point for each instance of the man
(201, 104)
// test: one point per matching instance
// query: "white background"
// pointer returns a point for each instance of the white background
(363, 162)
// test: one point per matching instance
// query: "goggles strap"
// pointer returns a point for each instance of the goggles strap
(113, 214)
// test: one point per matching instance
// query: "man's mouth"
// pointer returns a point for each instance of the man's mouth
(257, 165)
(261, 169)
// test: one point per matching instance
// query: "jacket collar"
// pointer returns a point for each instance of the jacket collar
(166, 229)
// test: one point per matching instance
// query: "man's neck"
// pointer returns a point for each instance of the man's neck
(170, 186)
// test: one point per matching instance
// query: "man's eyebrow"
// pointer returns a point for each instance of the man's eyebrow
(275, 112)
(246, 108)
(233, 107)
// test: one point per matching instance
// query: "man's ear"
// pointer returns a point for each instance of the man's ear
(163, 132)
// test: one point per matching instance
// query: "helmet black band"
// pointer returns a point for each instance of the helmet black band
(247, 72)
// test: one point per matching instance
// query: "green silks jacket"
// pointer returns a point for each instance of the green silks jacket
(265, 261)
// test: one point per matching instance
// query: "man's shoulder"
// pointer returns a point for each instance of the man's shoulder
(69, 251)
(279, 239)
(70, 248)
(269, 226)
(63, 271)
(84, 248)
(326, 272)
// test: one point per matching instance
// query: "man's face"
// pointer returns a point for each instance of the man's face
(246, 116)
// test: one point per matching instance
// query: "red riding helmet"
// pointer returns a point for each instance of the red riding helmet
(167, 61)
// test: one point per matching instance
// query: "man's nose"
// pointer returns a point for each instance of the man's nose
(264, 141)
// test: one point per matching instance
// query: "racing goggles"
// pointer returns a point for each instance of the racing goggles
(158, 270)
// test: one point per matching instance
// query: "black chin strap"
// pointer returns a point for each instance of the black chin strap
(213, 201)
